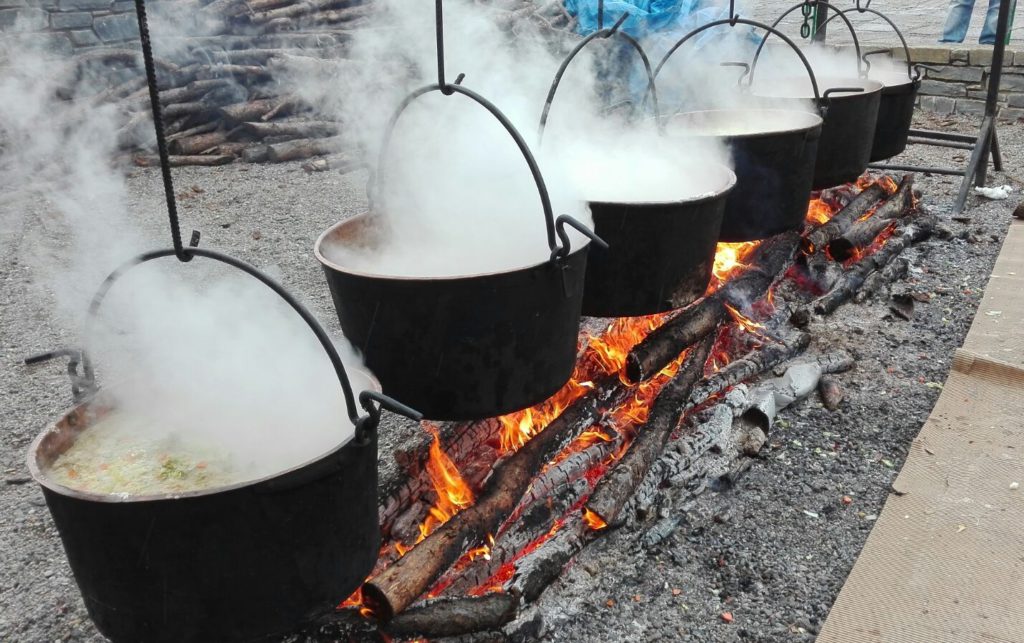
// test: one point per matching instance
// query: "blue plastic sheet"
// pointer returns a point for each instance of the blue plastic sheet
(646, 17)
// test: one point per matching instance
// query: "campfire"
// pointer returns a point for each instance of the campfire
(489, 512)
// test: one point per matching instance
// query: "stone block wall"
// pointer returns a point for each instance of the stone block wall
(64, 26)
(957, 80)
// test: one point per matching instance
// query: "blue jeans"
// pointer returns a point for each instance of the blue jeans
(959, 19)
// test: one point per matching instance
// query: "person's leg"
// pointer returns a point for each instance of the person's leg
(958, 20)
(988, 30)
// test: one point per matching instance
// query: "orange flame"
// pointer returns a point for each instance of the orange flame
(819, 212)
(356, 600)
(744, 322)
(593, 521)
(729, 260)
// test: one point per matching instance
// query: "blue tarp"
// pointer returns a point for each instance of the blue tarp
(646, 17)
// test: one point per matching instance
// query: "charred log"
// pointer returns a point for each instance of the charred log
(862, 233)
(911, 231)
(618, 485)
(664, 344)
(819, 238)
(404, 581)
(454, 616)
(880, 280)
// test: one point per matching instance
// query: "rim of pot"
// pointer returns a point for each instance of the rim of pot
(41, 478)
(799, 87)
(579, 242)
(725, 174)
(809, 120)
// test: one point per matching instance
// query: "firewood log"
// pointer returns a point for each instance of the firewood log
(251, 110)
(664, 344)
(818, 239)
(197, 144)
(616, 488)
(455, 616)
(297, 129)
(911, 231)
(302, 149)
(863, 232)
(400, 584)
(178, 161)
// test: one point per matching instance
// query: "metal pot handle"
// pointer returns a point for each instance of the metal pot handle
(554, 227)
(861, 73)
(732, 22)
(84, 384)
(912, 72)
(614, 30)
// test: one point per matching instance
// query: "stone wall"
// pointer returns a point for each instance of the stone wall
(958, 80)
(64, 26)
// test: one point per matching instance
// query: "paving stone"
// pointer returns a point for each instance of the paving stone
(87, 5)
(939, 88)
(83, 38)
(981, 56)
(116, 27)
(967, 106)
(938, 104)
(23, 19)
(934, 55)
(962, 74)
(70, 20)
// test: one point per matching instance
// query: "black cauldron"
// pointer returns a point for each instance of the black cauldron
(774, 153)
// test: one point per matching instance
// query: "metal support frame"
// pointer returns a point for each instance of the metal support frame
(986, 143)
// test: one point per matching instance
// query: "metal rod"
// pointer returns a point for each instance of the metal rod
(916, 168)
(600, 15)
(943, 136)
(953, 144)
(998, 55)
(820, 23)
(439, 41)
(997, 156)
(977, 158)
(158, 125)
(840, 14)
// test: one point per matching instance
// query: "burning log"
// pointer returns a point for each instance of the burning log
(819, 238)
(862, 233)
(911, 231)
(404, 581)
(454, 616)
(618, 485)
(541, 567)
(664, 344)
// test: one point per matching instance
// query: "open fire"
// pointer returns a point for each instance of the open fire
(558, 493)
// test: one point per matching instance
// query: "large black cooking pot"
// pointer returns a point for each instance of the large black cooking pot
(898, 95)
(895, 113)
(467, 347)
(235, 563)
(660, 254)
(774, 154)
(850, 116)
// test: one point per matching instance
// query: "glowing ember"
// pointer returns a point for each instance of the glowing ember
(744, 322)
(819, 212)
(593, 521)
(356, 600)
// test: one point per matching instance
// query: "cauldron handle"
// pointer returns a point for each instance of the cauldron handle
(371, 401)
(906, 49)
(861, 73)
(614, 30)
(732, 22)
(555, 227)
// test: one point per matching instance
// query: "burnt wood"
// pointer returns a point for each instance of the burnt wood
(818, 239)
(863, 233)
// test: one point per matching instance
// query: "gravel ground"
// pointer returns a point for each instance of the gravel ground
(752, 550)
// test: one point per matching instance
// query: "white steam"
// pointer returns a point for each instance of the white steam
(199, 350)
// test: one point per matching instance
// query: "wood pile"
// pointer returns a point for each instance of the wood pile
(224, 87)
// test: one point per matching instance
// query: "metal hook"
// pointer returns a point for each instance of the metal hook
(563, 249)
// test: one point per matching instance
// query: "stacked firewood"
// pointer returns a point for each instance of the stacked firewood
(223, 86)
(533, 511)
